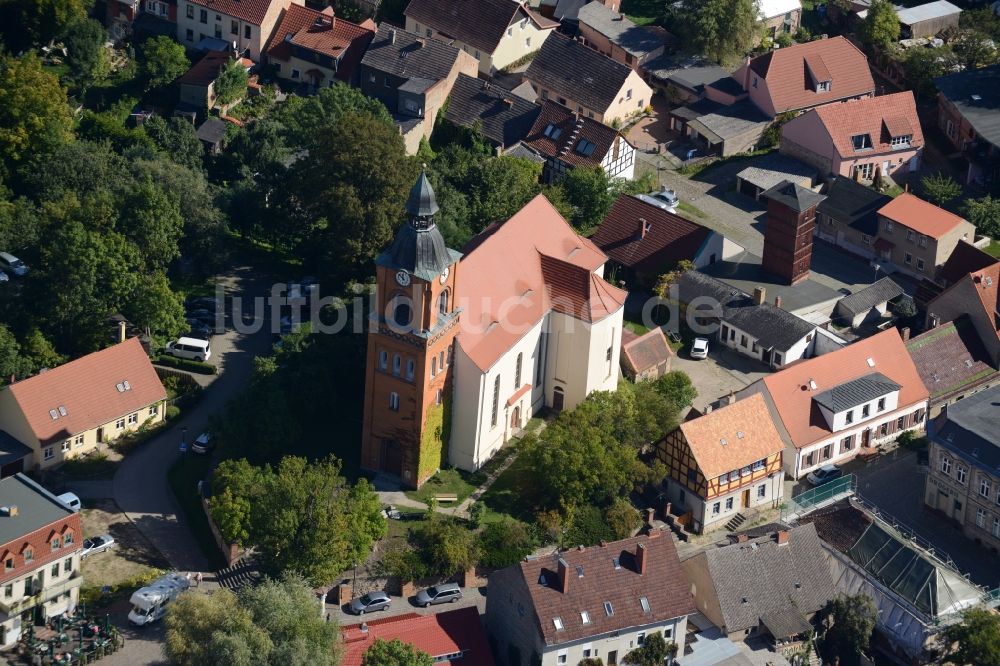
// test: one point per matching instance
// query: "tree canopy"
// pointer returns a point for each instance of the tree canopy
(974, 640)
(881, 26)
(163, 61)
(723, 29)
(231, 85)
(940, 188)
(86, 55)
(394, 653)
(853, 620)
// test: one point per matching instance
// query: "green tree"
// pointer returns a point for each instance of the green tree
(502, 186)
(940, 188)
(154, 305)
(207, 629)
(302, 117)
(36, 22)
(394, 653)
(723, 29)
(87, 56)
(853, 620)
(178, 139)
(976, 49)
(151, 219)
(505, 542)
(231, 84)
(922, 66)
(39, 352)
(445, 545)
(975, 640)
(12, 364)
(588, 191)
(985, 214)
(676, 386)
(403, 563)
(163, 60)
(34, 116)
(622, 518)
(653, 651)
(881, 26)
(981, 19)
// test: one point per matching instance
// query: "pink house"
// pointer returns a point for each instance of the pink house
(858, 137)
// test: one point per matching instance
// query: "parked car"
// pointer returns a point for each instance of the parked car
(373, 601)
(203, 315)
(653, 201)
(203, 303)
(12, 264)
(70, 500)
(204, 444)
(199, 329)
(667, 196)
(700, 348)
(189, 348)
(439, 594)
(824, 474)
(97, 544)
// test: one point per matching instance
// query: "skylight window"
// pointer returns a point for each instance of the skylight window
(618, 563)
(608, 608)
(128, 387)
(552, 131)
(870, 361)
(862, 141)
(585, 148)
(644, 602)
(557, 621)
(54, 414)
(62, 410)
(579, 572)
(585, 617)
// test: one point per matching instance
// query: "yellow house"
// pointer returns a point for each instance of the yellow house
(69, 410)
(247, 26)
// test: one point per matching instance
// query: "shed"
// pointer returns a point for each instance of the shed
(928, 20)
(647, 356)
(212, 133)
(867, 304)
(770, 170)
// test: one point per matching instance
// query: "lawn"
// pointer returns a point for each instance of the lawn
(690, 211)
(512, 494)
(446, 482)
(183, 478)
(642, 12)
(993, 249)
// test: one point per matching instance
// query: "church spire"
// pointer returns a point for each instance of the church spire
(421, 206)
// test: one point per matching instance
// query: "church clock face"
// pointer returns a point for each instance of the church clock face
(444, 276)
(403, 278)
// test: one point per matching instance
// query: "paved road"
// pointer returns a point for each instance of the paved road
(471, 596)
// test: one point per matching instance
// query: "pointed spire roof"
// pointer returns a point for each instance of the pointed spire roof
(794, 196)
(419, 249)
(422, 202)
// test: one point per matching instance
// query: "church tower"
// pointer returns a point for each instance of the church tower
(411, 339)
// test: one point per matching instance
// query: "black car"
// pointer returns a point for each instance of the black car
(203, 303)
(199, 329)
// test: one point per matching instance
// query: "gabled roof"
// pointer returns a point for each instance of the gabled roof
(926, 12)
(478, 23)
(558, 133)
(864, 300)
(732, 437)
(972, 428)
(965, 258)
(919, 215)
(636, 40)
(457, 632)
(790, 82)
(669, 238)
(569, 68)
(853, 204)
(207, 70)
(503, 117)
(790, 392)
(773, 168)
(213, 130)
(692, 73)
(951, 357)
(985, 284)
(758, 579)
(401, 53)
(773, 327)
(320, 32)
(856, 392)
(695, 284)
(251, 11)
(643, 351)
(90, 390)
(514, 270)
(594, 580)
(976, 94)
(881, 118)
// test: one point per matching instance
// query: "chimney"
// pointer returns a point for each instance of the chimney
(121, 331)
(731, 398)
(508, 102)
(782, 537)
(777, 301)
(708, 409)
(392, 36)
(905, 333)
(421, 42)
(642, 227)
(935, 320)
(742, 538)
(759, 295)
(640, 559)
(650, 515)
(563, 576)
(12, 510)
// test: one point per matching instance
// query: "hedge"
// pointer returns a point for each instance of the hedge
(185, 364)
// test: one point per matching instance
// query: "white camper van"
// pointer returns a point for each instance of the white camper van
(150, 603)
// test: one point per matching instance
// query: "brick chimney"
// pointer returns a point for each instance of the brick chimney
(563, 576)
(777, 301)
(650, 515)
(643, 228)
(782, 537)
(905, 333)
(121, 331)
(640, 559)
(392, 36)
(742, 538)
(759, 295)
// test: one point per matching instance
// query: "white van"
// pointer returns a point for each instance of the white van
(190, 348)
(150, 603)
(12, 264)
(70, 500)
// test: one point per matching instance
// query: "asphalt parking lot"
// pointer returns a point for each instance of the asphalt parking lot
(471, 596)
(723, 371)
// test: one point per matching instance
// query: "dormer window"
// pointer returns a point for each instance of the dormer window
(823, 86)
(862, 141)
(901, 141)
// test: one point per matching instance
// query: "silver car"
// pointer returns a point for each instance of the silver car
(373, 601)
(439, 594)
(97, 544)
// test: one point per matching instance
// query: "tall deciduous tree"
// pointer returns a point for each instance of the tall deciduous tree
(163, 61)
(231, 85)
(587, 190)
(86, 56)
(975, 640)
(940, 188)
(177, 138)
(34, 116)
(302, 117)
(28, 23)
(853, 623)
(881, 26)
(723, 29)
(985, 214)
(155, 306)
(394, 653)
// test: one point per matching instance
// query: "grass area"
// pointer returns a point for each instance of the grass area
(511, 494)
(690, 209)
(96, 465)
(993, 249)
(635, 327)
(446, 482)
(183, 477)
(642, 12)
(894, 191)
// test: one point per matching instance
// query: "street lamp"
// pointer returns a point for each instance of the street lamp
(877, 268)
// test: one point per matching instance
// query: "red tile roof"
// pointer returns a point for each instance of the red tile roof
(593, 581)
(458, 631)
(791, 84)
(251, 11)
(207, 70)
(321, 32)
(572, 130)
(879, 117)
(87, 389)
(645, 351)
(732, 437)
(670, 238)
(921, 216)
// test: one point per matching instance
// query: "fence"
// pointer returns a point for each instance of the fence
(828, 493)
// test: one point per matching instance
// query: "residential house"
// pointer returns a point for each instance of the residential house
(967, 114)
(868, 556)
(498, 33)
(245, 24)
(75, 408)
(803, 76)
(567, 140)
(645, 241)
(452, 638)
(831, 407)
(684, 79)
(611, 33)
(123, 17)
(413, 77)
(953, 362)
(318, 48)
(916, 237)
(501, 116)
(723, 464)
(766, 586)
(974, 295)
(859, 138)
(567, 12)
(965, 258)
(928, 19)
(647, 356)
(848, 217)
(40, 543)
(780, 16)
(868, 305)
(598, 602)
(963, 481)
(197, 85)
(522, 320)
(584, 81)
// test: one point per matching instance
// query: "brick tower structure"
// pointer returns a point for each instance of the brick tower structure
(411, 335)
(788, 233)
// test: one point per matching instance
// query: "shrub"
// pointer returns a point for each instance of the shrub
(505, 542)
(186, 364)
(172, 412)
(137, 437)
(588, 527)
(784, 40)
(402, 563)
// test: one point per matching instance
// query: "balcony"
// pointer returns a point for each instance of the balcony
(47, 593)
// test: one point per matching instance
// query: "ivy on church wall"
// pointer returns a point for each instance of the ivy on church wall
(434, 440)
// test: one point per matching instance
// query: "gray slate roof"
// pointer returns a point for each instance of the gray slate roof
(568, 68)
(212, 130)
(772, 326)
(419, 248)
(853, 204)
(727, 122)
(503, 117)
(982, 113)
(634, 39)
(973, 429)
(695, 284)
(770, 578)
(794, 196)
(874, 294)
(856, 392)
(773, 168)
(690, 73)
(36, 507)
(409, 55)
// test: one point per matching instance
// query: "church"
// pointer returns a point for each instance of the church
(464, 348)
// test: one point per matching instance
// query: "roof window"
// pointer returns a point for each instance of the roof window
(557, 621)
(862, 141)
(585, 617)
(644, 602)
(62, 410)
(552, 131)
(585, 148)
(608, 608)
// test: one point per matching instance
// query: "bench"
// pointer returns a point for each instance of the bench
(447, 497)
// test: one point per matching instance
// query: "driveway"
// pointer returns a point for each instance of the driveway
(723, 371)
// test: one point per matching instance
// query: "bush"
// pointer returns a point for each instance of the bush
(784, 40)
(185, 364)
(505, 542)
(172, 412)
(803, 35)
(588, 527)
(137, 437)
(94, 594)
(402, 563)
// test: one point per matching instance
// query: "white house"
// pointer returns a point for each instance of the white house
(245, 25)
